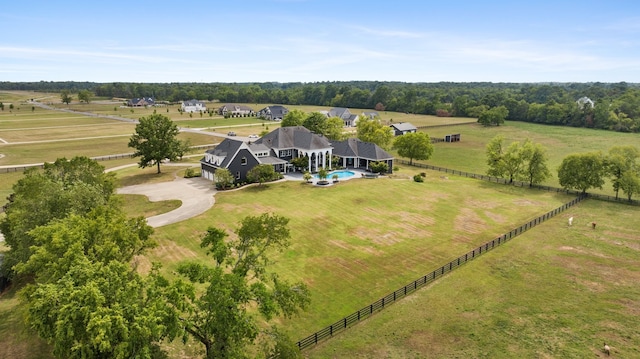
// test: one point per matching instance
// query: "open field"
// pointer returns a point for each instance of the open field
(356, 241)
(469, 154)
(554, 292)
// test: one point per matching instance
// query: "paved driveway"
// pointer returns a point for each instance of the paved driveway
(196, 195)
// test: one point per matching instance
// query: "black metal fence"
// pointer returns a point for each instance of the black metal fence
(448, 125)
(390, 298)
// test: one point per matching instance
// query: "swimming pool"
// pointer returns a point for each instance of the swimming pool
(342, 174)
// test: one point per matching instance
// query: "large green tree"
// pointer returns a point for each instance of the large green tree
(155, 139)
(374, 131)
(582, 171)
(494, 116)
(226, 299)
(294, 117)
(316, 122)
(514, 161)
(85, 96)
(621, 159)
(416, 145)
(39, 197)
(65, 97)
(87, 300)
(535, 169)
(630, 183)
(333, 129)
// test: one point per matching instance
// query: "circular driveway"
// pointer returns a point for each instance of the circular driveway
(196, 195)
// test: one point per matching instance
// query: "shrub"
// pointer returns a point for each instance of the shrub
(418, 178)
(423, 174)
(191, 172)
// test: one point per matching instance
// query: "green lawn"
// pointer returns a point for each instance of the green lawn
(554, 292)
(469, 154)
(357, 241)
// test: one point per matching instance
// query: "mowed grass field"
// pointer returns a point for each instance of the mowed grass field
(553, 292)
(357, 241)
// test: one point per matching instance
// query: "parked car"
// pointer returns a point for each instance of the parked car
(253, 136)
(231, 133)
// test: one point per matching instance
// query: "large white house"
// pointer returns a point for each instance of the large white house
(193, 106)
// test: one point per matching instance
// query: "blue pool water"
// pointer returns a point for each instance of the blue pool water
(341, 174)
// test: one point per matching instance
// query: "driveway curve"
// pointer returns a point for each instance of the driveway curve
(196, 194)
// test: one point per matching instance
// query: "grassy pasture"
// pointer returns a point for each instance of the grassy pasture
(469, 153)
(554, 292)
(48, 151)
(356, 241)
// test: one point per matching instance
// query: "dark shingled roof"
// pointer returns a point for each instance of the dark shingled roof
(227, 148)
(353, 147)
(294, 137)
(341, 112)
(276, 111)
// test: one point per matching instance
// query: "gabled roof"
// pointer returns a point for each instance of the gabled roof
(141, 101)
(276, 110)
(353, 147)
(236, 107)
(404, 126)
(370, 114)
(341, 112)
(193, 102)
(227, 149)
(294, 137)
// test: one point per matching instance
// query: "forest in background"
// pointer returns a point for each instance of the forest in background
(616, 106)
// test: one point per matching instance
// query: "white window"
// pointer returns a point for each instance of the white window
(243, 161)
(238, 175)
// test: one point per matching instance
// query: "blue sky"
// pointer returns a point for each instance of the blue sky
(320, 40)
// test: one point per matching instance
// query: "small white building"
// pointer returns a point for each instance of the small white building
(585, 101)
(193, 106)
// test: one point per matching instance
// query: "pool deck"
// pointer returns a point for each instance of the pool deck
(297, 176)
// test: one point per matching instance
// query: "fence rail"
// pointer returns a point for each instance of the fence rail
(392, 297)
(447, 125)
(601, 197)
(21, 168)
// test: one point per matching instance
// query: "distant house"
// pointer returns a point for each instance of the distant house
(193, 106)
(370, 114)
(345, 115)
(273, 113)
(281, 145)
(234, 110)
(585, 101)
(402, 128)
(141, 102)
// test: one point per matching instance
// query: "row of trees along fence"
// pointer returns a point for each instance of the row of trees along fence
(390, 298)
(447, 125)
(597, 196)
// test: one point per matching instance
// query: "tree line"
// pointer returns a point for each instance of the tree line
(579, 171)
(616, 106)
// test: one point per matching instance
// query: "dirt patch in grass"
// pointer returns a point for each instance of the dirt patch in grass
(468, 221)
(171, 252)
(633, 237)
(496, 217)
